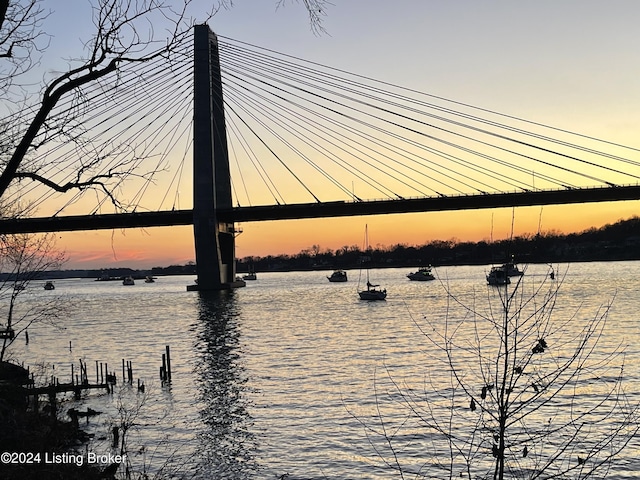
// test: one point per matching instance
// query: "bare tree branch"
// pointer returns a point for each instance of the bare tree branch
(117, 40)
(21, 41)
(530, 395)
(126, 32)
(316, 10)
(23, 259)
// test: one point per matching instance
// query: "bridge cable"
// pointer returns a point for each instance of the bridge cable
(262, 172)
(275, 155)
(319, 126)
(350, 117)
(375, 140)
(307, 140)
(322, 106)
(441, 98)
(530, 145)
(413, 130)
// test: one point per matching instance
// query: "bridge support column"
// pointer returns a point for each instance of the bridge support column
(214, 240)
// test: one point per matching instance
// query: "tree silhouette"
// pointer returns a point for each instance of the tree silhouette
(126, 32)
(23, 259)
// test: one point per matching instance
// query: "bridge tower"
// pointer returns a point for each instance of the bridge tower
(214, 240)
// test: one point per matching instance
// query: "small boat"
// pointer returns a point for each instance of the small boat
(49, 285)
(498, 276)
(105, 277)
(371, 293)
(250, 276)
(512, 269)
(128, 281)
(422, 275)
(338, 276)
(8, 333)
(149, 279)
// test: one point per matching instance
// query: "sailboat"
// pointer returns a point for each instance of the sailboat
(371, 293)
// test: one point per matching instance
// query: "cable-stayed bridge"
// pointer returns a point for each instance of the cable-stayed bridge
(221, 132)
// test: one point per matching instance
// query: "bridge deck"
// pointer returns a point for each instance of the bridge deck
(322, 210)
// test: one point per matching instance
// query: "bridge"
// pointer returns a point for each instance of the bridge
(320, 129)
(71, 223)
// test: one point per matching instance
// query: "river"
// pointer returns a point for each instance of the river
(293, 374)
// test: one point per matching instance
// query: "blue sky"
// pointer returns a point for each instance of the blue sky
(565, 61)
(571, 63)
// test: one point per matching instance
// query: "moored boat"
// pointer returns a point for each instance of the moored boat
(423, 274)
(7, 333)
(49, 285)
(338, 276)
(371, 293)
(128, 281)
(498, 276)
(512, 269)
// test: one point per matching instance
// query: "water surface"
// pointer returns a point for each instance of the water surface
(292, 374)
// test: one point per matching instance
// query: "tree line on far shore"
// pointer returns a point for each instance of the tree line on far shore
(617, 241)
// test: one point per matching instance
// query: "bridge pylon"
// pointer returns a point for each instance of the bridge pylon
(214, 239)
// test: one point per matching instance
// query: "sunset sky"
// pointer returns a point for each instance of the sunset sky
(572, 64)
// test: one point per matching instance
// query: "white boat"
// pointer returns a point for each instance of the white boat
(149, 279)
(498, 276)
(372, 292)
(49, 285)
(128, 281)
(422, 275)
(338, 276)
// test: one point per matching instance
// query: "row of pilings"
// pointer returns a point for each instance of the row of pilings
(80, 382)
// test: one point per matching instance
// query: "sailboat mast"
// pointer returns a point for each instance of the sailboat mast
(366, 248)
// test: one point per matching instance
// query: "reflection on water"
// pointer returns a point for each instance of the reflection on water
(227, 443)
(282, 376)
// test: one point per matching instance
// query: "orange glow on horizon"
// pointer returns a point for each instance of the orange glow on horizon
(127, 248)
(174, 245)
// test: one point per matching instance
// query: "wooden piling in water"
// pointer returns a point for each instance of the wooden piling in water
(165, 369)
(84, 377)
(168, 363)
(116, 437)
